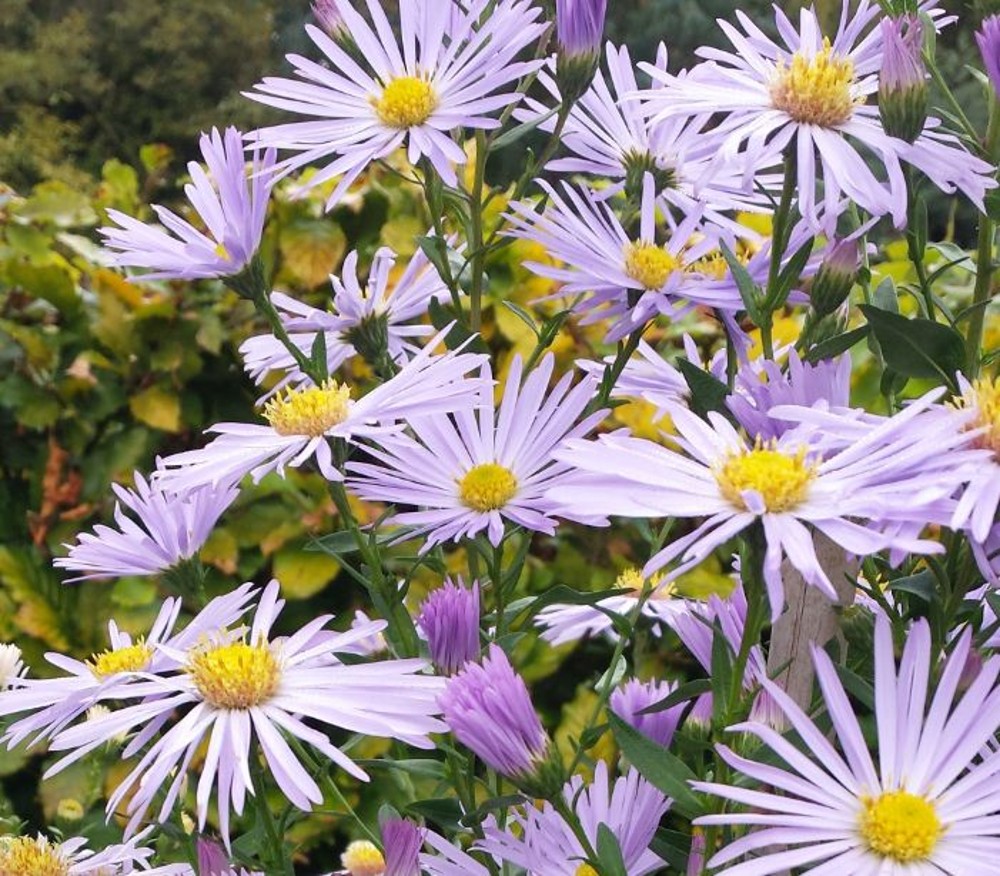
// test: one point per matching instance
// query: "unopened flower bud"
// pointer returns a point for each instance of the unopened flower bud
(988, 37)
(902, 89)
(212, 858)
(835, 277)
(449, 618)
(328, 17)
(630, 701)
(579, 28)
(402, 840)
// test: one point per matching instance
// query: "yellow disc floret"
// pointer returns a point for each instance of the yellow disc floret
(405, 102)
(131, 658)
(362, 858)
(235, 676)
(901, 826)
(487, 487)
(984, 398)
(585, 870)
(630, 579)
(649, 265)
(816, 89)
(781, 480)
(23, 856)
(311, 411)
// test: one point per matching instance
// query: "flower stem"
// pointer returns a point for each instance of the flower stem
(780, 233)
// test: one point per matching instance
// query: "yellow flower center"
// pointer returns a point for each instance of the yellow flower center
(362, 858)
(312, 411)
(984, 397)
(815, 90)
(781, 480)
(23, 856)
(131, 658)
(649, 265)
(406, 101)
(235, 676)
(585, 870)
(630, 579)
(487, 487)
(901, 826)
(714, 264)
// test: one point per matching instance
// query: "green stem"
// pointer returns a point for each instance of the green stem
(476, 235)
(780, 233)
(914, 248)
(615, 370)
(985, 264)
(281, 861)
(953, 103)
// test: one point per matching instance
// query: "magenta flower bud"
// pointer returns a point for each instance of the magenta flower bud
(402, 840)
(212, 859)
(836, 275)
(579, 28)
(488, 708)
(328, 17)
(988, 37)
(449, 618)
(696, 859)
(629, 701)
(902, 89)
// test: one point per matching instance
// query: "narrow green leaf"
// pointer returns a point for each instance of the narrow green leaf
(523, 315)
(687, 691)
(750, 292)
(609, 853)
(790, 274)
(836, 345)
(521, 131)
(917, 347)
(317, 355)
(923, 584)
(708, 393)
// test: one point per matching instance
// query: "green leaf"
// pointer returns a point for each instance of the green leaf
(609, 853)
(722, 673)
(521, 131)
(687, 691)
(885, 296)
(523, 315)
(343, 543)
(445, 812)
(923, 584)
(424, 767)
(708, 393)
(436, 250)
(459, 334)
(560, 594)
(317, 356)
(917, 347)
(750, 292)
(790, 274)
(836, 345)
(661, 767)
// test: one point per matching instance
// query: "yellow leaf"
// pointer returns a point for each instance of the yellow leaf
(221, 551)
(303, 574)
(312, 249)
(157, 407)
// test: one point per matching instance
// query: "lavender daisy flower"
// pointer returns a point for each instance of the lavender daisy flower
(301, 422)
(449, 860)
(449, 618)
(579, 28)
(988, 39)
(375, 319)
(111, 675)
(478, 470)
(488, 708)
(442, 75)
(237, 687)
(977, 507)
(887, 476)
(544, 844)
(611, 138)
(630, 700)
(808, 94)
(569, 623)
(362, 858)
(627, 279)
(171, 528)
(927, 805)
(26, 856)
(231, 204)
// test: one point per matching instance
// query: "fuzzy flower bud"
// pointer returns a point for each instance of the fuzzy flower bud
(328, 17)
(988, 37)
(488, 708)
(630, 700)
(835, 277)
(579, 28)
(902, 89)
(449, 618)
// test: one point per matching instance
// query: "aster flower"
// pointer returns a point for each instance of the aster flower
(370, 645)
(887, 476)
(238, 689)
(300, 422)
(25, 856)
(169, 528)
(544, 844)
(579, 27)
(479, 470)
(630, 700)
(449, 860)
(625, 279)
(449, 619)
(376, 317)
(926, 805)
(808, 95)
(414, 91)
(988, 39)
(362, 858)
(488, 708)
(402, 839)
(568, 623)
(231, 204)
(902, 87)
(977, 507)
(612, 139)
(110, 675)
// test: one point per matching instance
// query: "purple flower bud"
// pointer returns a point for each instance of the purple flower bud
(402, 840)
(579, 28)
(988, 37)
(328, 17)
(836, 275)
(629, 701)
(902, 89)
(696, 859)
(212, 860)
(449, 618)
(488, 708)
